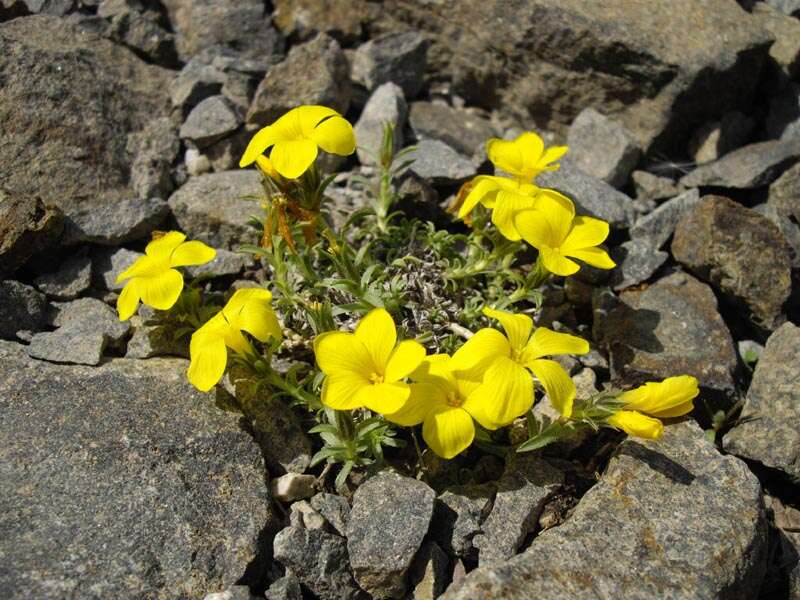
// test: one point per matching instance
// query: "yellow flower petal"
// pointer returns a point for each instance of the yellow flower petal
(448, 431)
(546, 342)
(519, 157)
(483, 185)
(557, 263)
(208, 360)
(259, 143)
(162, 247)
(384, 398)
(292, 158)
(480, 350)
(376, 331)
(436, 369)
(551, 155)
(636, 424)
(128, 301)
(335, 135)
(341, 391)
(556, 383)
(309, 116)
(475, 405)
(191, 253)
(340, 353)
(144, 266)
(406, 357)
(585, 233)
(669, 398)
(506, 391)
(423, 398)
(236, 341)
(596, 257)
(517, 326)
(507, 205)
(161, 291)
(266, 166)
(241, 297)
(257, 318)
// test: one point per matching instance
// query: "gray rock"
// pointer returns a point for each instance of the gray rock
(341, 19)
(57, 8)
(785, 52)
(659, 522)
(458, 516)
(302, 514)
(27, 228)
(195, 82)
(783, 119)
(210, 121)
(123, 482)
(397, 57)
(637, 260)
(430, 572)
(214, 207)
(525, 486)
(603, 148)
(240, 24)
(462, 130)
(22, 308)
(65, 130)
(715, 139)
(154, 151)
(225, 264)
(313, 73)
(319, 560)
(335, 509)
(591, 195)
(439, 163)
(752, 166)
(108, 263)
(285, 588)
(389, 519)
(670, 328)
(292, 486)
(784, 193)
(159, 339)
(225, 154)
(85, 327)
(73, 277)
(717, 241)
(139, 30)
(790, 231)
(768, 430)
(113, 224)
(789, 7)
(649, 186)
(386, 105)
(658, 226)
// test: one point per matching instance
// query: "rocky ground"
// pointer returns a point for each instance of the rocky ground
(123, 116)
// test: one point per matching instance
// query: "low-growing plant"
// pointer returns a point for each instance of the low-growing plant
(387, 320)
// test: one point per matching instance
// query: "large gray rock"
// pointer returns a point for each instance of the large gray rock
(313, 73)
(741, 253)
(390, 517)
(670, 328)
(787, 227)
(214, 207)
(655, 526)
(68, 103)
(460, 129)
(784, 193)
(71, 279)
(602, 147)
(341, 19)
(657, 227)
(397, 57)
(123, 481)
(387, 104)
(591, 195)
(439, 163)
(196, 81)
(637, 260)
(27, 227)
(769, 427)
(22, 308)
(210, 121)
(458, 515)
(108, 263)
(154, 149)
(129, 23)
(785, 52)
(752, 166)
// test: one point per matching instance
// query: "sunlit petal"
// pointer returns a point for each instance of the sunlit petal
(292, 158)
(377, 332)
(506, 392)
(161, 291)
(191, 253)
(335, 135)
(597, 257)
(259, 143)
(556, 383)
(480, 350)
(340, 353)
(546, 342)
(557, 263)
(128, 300)
(340, 392)
(423, 398)
(585, 233)
(506, 206)
(384, 398)
(406, 357)
(636, 424)
(448, 431)
(208, 360)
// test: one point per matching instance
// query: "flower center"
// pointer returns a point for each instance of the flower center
(376, 378)
(454, 400)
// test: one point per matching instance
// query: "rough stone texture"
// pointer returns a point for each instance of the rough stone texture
(334, 508)
(649, 186)
(292, 486)
(73, 277)
(786, 30)
(195, 82)
(669, 519)
(769, 427)
(155, 339)
(138, 29)
(397, 57)
(68, 103)
(790, 231)
(669, 328)
(122, 481)
(387, 104)
(213, 208)
(783, 119)
(225, 264)
(784, 193)
(637, 260)
(285, 588)
(388, 522)
(319, 560)
(658, 226)
(715, 139)
(115, 223)
(313, 73)
(462, 130)
(210, 121)
(752, 166)
(27, 227)
(591, 195)
(241, 24)
(154, 149)
(21, 308)
(657, 67)
(458, 515)
(439, 163)
(85, 327)
(430, 572)
(740, 252)
(602, 147)
(108, 263)
(525, 486)
(341, 19)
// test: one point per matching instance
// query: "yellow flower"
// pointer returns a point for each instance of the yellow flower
(553, 229)
(506, 197)
(672, 397)
(443, 401)
(297, 136)
(248, 310)
(524, 157)
(367, 368)
(153, 278)
(506, 391)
